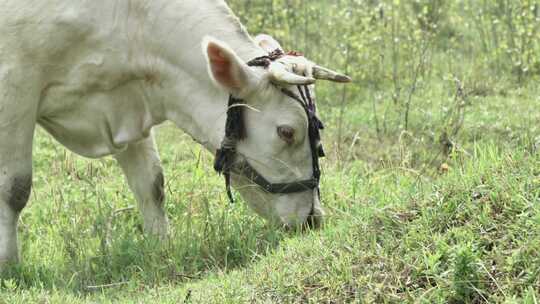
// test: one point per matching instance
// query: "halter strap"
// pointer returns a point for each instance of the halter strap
(245, 169)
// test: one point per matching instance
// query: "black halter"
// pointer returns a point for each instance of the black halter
(235, 131)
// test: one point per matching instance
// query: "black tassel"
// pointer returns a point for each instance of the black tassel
(219, 161)
(320, 151)
(235, 130)
(227, 177)
(235, 127)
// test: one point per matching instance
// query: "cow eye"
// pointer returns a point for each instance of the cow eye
(286, 133)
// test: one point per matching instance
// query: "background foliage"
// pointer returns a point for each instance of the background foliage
(417, 65)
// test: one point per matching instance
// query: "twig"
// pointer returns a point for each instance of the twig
(343, 101)
(494, 280)
(417, 71)
(112, 285)
(111, 219)
(376, 99)
(355, 139)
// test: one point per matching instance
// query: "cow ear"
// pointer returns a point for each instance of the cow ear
(225, 67)
(268, 43)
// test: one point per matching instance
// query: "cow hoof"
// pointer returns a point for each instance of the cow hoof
(158, 230)
(5, 262)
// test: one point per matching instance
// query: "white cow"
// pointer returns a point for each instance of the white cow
(98, 75)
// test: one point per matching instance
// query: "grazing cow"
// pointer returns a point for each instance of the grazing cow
(98, 75)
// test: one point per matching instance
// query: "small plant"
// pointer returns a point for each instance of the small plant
(466, 279)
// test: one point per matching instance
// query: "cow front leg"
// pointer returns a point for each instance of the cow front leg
(15, 179)
(15, 192)
(142, 168)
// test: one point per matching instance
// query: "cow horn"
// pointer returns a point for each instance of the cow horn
(279, 74)
(327, 74)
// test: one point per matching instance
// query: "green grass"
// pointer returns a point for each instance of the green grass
(469, 234)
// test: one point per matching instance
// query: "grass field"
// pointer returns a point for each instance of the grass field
(466, 233)
(442, 206)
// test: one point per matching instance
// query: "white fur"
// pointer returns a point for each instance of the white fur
(99, 74)
(268, 43)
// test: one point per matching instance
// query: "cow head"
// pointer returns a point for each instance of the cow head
(279, 144)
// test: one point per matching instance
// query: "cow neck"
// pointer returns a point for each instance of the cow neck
(176, 38)
(194, 103)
